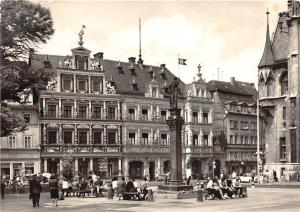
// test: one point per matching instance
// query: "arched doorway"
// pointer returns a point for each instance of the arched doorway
(217, 170)
(83, 167)
(196, 169)
(53, 166)
(135, 169)
(167, 166)
(152, 170)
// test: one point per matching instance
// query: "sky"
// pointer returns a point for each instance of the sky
(224, 35)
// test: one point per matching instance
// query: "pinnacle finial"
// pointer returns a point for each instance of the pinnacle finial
(81, 33)
(199, 71)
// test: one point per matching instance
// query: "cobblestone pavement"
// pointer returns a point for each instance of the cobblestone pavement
(259, 199)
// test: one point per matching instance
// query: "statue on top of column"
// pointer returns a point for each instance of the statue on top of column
(174, 90)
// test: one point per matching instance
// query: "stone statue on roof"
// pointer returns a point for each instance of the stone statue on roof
(174, 90)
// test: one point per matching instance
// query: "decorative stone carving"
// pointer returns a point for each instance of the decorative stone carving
(95, 65)
(68, 63)
(112, 127)
(69, 126)
(52, 125)
(110, 89)
(52, 85)
(97, 126)
(83, 126)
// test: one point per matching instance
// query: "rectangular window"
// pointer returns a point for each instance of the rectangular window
(82, 85)
(131, 138)
(97, 137)
(246, 126)
(163, 115)
(282, 149)
(52, 137)
(205, 140)
(12, 141)
(251, 140)
(242, 125)
(67, 84)
(97, 86)
(67, 137)
(27, 117)
(195, 140)
(131, 113)
(235, 124)
(111, 114)
(231, 139)
(242, 140)
(231, 124)
(246, 139)
(97, 112)
(205, 118)
(27, 142)
(111, 138)
(82, 112)
(82, 137)
(144, 114)
(163, 139)
(51, 111)
(284, 113)
(235, 139)
(67, 111)
(195, 117)
(145, 138)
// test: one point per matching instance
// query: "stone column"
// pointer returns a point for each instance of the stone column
(175, 123)
(104, 110)
(158, 170)
(184, 167)
(125, 167)
(44, 134)
(151, 117)
(125, 111)
(138, 115)
(91, 164)
(201, 115)
(75, 134)
(89, 85)
(125, 135)
(45, 165)
(146, 168)
(90, 110)
(139, 140)
(60, 167)
(210, 141)
(119, 111)
(44, 108)
(119, 167)
(119, 141)
(11, 170)
(90, 135)
(105, 134)
(75, 114)
(60, 137)
(74, 84)
(201, 138)
(59, 108)
(76, 167)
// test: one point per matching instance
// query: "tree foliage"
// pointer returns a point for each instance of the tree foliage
(23, 26)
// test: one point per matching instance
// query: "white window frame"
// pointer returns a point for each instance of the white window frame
(27, 136)
(12, 142)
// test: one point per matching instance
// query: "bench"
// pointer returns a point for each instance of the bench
(131, 196)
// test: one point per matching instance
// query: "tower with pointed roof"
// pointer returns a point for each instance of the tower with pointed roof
(279, 94)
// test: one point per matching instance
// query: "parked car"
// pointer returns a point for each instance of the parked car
(246, 178)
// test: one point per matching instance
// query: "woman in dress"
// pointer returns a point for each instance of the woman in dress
(53, 186)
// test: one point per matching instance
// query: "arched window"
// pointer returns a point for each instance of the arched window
(269, 85)
(197, 92)
(284, 83)
(154, 92)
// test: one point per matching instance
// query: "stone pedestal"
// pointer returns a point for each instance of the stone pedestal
(175, 123)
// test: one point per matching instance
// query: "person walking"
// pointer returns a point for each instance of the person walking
(53, 187)
(35, 189)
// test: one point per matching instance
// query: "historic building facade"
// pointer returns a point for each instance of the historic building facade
(279, 93)
(235, 123)
(109, 117)
(20, 152)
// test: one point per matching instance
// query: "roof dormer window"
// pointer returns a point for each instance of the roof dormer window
(134, 85)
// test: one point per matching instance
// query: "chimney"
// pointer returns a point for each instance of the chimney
(163, 66)
(99, 56)
(253, 85)
(47, 63)
(131, 59)
(31, 52)
(232, 80)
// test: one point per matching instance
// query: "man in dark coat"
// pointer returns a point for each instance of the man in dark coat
(35, 189)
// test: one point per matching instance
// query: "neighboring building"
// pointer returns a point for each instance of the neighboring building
(235, 123)
(109, 117)
(20, 152)
(279, 93)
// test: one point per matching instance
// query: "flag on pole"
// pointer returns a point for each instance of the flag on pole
(181, 61)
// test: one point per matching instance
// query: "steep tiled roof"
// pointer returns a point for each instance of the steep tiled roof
(122, 81)
(280, 41)
(238, 91)
(267, 58)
